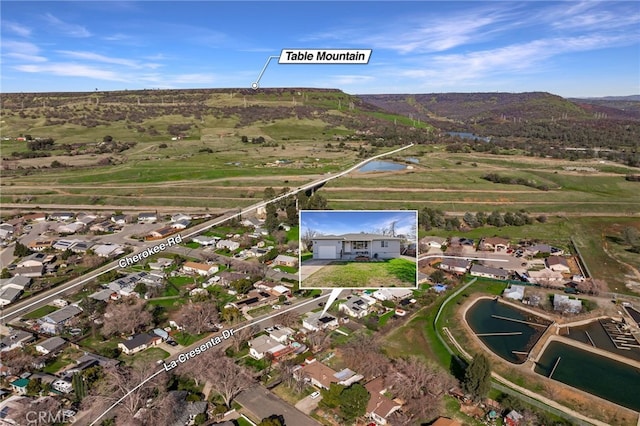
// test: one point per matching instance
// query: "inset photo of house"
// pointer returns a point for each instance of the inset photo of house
(358, 248)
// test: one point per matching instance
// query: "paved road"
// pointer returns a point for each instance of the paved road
(262, 403)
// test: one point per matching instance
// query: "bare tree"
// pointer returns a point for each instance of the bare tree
(239, 337)
(17, 360)
(226, 377)
(26, 407)
(318, 340)
(129, 315)
(289, 318)
(307, 235)
(364, 355)
(198, 317)
(592, 286)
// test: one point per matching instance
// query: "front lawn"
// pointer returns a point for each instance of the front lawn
(287, 269)
(40, 312)
(186, 339)
(385, 317)
(391, 273)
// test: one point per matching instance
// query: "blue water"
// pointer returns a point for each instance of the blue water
(466, 135)
(413, 160)
(381, 166)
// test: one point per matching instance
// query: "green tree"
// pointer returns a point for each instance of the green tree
(20, 250)
(271, 221)
(477, 377)
(34, 386)
(273, 420)
(140, 288)
(269, 193)
(331, 397)
(353, 402)
(79, 386)
(437, 276)
(5, 273)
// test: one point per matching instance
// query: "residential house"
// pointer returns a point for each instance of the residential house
(103, 226)
(61, 216)
(9, 295)
(139, 342)
(51, 345)
(70, 228)
(564, 304)
(380, 407)
(147, 217)
(81, 246)
(264, 345)
(180, 216)
(461, 242)
(180, 224)
(15, 339)
(105, 295)
(513, 418)
(35, 217)
(187, 411)
(62, 385)
(542, 249)
(162, 232)
(284, 260)
(15, 282)
(355, 307)
(40, 245)
(30, 271)
(272, 288)
(160, 264)
(108, 250)
(321, 376)
(514, 292)
(558, 264)
(228, 244)
(495, 244)
(457, 265)
(63, 244)
(383, 294)
(317, 321)
(205, 241)
(34, 259)
(351, 246)
(488, 272)
(227, 277)
(119, 219)
(6, 231)
(199, 268)
(546, 277)
(54, 322)
(432, 242)
(281, 334)
(86, 218)
(252, 222)
(20, 386)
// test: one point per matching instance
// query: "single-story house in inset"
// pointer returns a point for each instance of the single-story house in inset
(54, 322)
(350, 246)
(558, 264)
(200, 268)
(70, 228)
(432, 242)
(16, 339)
(263, 345)
(61, 216)
(228, 244)
(51, 345)
(180, 216)
(545, 277)
(380, 407)
(456, 265)
(181, 224)
(147, 217)
(322, 376)
(9, 295)
(284, 260)
(515, 292)
(316, 321)
(205, 241)
(565, 304)
(488, 272)
(139, 342)
(355, 307)
(383, 294)
(496, 244)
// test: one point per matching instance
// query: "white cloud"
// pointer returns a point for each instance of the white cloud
(22, 51)
(71, 30)
(17, 29)
(69, 69)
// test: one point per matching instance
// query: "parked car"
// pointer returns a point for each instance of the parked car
(315, 395)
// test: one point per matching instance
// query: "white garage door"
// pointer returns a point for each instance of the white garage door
(326, 252)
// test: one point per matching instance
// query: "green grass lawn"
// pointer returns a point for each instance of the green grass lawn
(40, 312)
(56, 365)
(392, 273)
(384, 318)
(293, 234)
(261, 311)
(186, 339)
(306, 256)
(147, 356)
(287, 269)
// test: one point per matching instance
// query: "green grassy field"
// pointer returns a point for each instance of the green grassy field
(392, 273)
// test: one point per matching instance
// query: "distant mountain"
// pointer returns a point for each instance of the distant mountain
(613, 98)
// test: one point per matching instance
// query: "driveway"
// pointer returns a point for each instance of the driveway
(311, 266)
(262, 403)
(308, 404)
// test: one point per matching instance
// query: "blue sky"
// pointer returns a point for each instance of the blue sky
(569, 48)
(344, 222)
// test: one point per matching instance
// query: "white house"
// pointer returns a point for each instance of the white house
(262, 345)
(433, 242)
(350, 246)
(380, 406)
(383, 294)
(228, 244)
(70, 228)
(51, 345)
(180, 224)
(281, 334)
(16, 339)
(54, 322)
(355, 307)
(284, 260)
(62, 386)
(9, 295)
(180, 216)
(457, 265)
(200, 268)
(147, 217)
(107, 250)
(316, 321)
(488, 272)
(563, 303)
(515, 292)
(205, 241)
(558, 264)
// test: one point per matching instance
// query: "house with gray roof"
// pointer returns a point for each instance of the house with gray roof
(350, 246)
(54, 322)
(488, 272)
(355, 307)
(15, 339)
(51, 345)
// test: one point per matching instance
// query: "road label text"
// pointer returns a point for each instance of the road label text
(149, 251)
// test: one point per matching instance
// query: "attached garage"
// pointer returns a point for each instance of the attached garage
(326, 252)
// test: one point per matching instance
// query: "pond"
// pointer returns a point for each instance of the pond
(606, 378)
(381, 166)
(508, 332)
